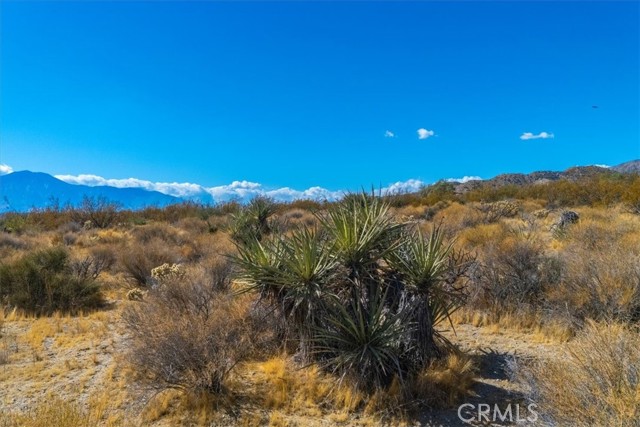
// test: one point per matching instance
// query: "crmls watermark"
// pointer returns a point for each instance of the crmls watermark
(513, 413)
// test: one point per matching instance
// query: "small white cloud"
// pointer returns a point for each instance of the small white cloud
(542, 135)
(424, 133)
(464, 179)
(389, 134)
(603, 166)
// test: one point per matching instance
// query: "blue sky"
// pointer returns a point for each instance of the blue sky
(304, 94)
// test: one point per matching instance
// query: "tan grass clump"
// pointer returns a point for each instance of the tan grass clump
(595, 383)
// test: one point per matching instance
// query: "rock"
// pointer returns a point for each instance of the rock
(568, 217)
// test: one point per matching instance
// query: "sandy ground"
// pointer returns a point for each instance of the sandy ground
(78, 360)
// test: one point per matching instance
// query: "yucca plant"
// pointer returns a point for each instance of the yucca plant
(363, 342)
(260, 210)
(307, 272)
(253, 221)
(362, 294)
(260, 266)
(362, 231)
(294, 272)
(422, 264)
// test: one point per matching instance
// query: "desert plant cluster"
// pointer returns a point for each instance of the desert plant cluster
(285, 313)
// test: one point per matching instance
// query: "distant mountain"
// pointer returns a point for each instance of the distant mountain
(22, 191)
(25, 190)
(628, 167)
(571, 174)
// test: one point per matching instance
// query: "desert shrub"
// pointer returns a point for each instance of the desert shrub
(101, 212)
(137, 261)
(194, 225)
(492, 212)
(68, 239)
(601, 283)
(456, 217)
(358, 292)
(173, 239)
(595, 383)
(70, 227)
(13, 222)
(89, 267)
(513, 275)
(157, 231)
(297, 218)
(13, 242)
(189, 333)
(42, 282)
(440, 191)
(431, 211)
(633, 206)
(307, 205)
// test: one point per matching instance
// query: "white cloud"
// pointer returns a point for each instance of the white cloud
(176, 189)
(409, 186)
(5, 169)
(424, 133)
(602, 166)
(464, 179)
(389, 134)
(542, 135)
(242, 190)
(239, 190)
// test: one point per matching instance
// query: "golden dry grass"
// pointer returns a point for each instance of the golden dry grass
(596, 383)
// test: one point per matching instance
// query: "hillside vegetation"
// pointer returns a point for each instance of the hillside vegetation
(290, 314)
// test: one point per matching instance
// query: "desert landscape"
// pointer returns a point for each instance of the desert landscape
(272, 313)
(297, 213)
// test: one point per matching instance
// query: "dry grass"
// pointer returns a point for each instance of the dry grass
(541, 329)
(446, 381)
(596, 383)
(55, 412)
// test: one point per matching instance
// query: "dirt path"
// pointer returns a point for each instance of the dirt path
(495, 351)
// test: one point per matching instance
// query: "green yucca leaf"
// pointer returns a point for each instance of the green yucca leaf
(422, 261)
(363, 340)
(362, 230)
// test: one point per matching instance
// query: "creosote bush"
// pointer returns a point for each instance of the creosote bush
(45, 281)
(361, 295)
(97, 211)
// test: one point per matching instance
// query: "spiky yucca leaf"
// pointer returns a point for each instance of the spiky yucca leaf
(422, 261)
(260, 266)
(362, 230)
(363, 341)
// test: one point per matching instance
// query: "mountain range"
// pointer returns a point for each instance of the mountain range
(26, 190)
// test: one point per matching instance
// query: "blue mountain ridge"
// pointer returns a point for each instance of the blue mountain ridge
(25, 190)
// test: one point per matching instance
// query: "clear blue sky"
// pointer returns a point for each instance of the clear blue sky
(301, 93)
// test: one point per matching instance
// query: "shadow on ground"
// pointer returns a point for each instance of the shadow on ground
(494, 388)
